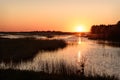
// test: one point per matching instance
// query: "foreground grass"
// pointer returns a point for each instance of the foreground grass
(63, 72)
(10, 74)
(17, 50)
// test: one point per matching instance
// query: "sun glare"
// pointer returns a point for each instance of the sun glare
(79, 29)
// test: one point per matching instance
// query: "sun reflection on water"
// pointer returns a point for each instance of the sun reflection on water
(78, 57)
(79, 52)
(79, 41)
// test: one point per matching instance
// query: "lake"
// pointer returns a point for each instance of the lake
(99, 57)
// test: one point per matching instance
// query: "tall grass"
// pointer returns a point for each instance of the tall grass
(64, 73)
(17, 50)
(51, 71)
(71, 72)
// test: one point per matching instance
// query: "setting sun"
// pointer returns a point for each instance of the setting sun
(79, 29)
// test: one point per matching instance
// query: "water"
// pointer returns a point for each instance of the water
(98, 58)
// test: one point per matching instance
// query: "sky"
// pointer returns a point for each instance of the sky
(57, 15)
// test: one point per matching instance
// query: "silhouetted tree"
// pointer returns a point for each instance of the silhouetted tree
(107, 31)
(118, 24)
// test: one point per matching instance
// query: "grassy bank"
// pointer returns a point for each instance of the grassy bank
(17, 50)
(40, 33)
(10, 74)
(104, 37)
(64, 72)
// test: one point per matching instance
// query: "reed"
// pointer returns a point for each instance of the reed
(17, 50)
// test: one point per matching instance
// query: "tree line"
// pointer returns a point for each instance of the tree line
(111, 32)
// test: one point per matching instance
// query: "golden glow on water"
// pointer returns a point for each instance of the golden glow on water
(78, 57)
(79, 52)
(79, 41)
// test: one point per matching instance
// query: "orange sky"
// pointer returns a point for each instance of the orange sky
(59, 15)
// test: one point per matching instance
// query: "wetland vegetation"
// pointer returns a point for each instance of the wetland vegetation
(22, 49)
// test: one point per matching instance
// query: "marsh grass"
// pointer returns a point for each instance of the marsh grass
(51, 71)
(65, 73)
(23, 49)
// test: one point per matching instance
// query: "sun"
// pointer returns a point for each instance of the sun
(79, 29)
